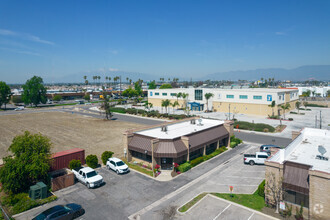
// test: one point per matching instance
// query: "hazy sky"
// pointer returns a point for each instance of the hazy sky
(56, 38)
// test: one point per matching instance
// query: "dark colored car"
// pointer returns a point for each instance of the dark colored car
(267, 148)
(61, 212)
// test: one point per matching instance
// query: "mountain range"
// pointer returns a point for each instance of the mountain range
(302, 73)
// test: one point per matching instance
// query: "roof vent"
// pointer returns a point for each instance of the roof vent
(200, 122)
(193, 121)
(164, 128)
(322, 151)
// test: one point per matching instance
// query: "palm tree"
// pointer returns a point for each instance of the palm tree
(130, 81)
(99, 77)
(272, 106)
(185, 96)
(207, 97)
(298, 105)
(285, 107)
(85, 78)
(166, 103)
(178, 95)
(174, 104)
(305, 104)
(106, 80)
(127, 79)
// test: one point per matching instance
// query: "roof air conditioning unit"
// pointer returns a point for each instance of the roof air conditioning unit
(164, 128)
(193, 121)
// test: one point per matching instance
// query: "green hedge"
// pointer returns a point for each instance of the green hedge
(92, 161)
(17, 203)
(316, 105)
(118, 110)
(184, 167)
(244, 125)
(196, 161)
(215, 153)
(74, 164)
(105, 156)
(261, 189)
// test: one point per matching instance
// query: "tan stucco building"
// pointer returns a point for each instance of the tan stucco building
(254, 101)
(304, 173)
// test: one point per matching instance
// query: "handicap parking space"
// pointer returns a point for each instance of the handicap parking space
(213, 208)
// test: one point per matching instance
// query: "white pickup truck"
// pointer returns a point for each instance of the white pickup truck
(88, 177)
(257, 158)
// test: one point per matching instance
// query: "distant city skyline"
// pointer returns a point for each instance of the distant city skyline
(59, 39)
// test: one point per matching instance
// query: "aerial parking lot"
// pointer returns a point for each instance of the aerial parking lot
(127, 194)
(213, 208)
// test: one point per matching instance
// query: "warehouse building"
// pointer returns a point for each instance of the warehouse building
(255, 101)
(303, 169)
(176, 142)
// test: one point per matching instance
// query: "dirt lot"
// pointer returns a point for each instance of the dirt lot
(66, 131)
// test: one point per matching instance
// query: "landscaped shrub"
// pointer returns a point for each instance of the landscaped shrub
(118, 110)
(294, 113)
(196, 161)
(92, 161)
(74, 164)
(233, 144)
(184, 167)
(316, 105)
(244, 125)
(261, 189)
(290, 119)
(105, 156)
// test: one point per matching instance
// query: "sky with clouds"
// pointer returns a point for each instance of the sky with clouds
(179, 38)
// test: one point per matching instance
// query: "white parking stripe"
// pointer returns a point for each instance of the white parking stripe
(250, 216)
(222, 212)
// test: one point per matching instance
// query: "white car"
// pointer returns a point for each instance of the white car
(117, 165)
(19, 108)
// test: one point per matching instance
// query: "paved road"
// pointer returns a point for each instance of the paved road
(262, 139)
(123, 195)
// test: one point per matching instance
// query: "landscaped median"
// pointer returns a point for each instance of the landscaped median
(254, 201)
(139, 168)
(244, 125)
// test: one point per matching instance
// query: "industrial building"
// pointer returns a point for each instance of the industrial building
(303, 170)
(176, 142)
(254, 101)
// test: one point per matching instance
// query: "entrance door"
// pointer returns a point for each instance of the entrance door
(167, 163)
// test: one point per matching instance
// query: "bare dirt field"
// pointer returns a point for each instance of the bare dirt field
(66, 131)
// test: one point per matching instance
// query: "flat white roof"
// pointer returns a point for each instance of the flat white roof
(180, 129)
(304, 149)
(277, 90)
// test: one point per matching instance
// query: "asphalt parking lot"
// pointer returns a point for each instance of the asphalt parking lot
(124, 195)
(212, 208)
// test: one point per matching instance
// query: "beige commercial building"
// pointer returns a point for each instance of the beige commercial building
(176, 142)
(303, 169)
(254, 101)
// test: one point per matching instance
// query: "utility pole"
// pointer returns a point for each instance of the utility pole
(229, 111)
(320, 120)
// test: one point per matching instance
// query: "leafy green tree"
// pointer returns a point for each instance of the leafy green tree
(152, 85)
(130, 92)
(28, 163)
(5, 93)
(166, 103)
(106, 106)
(207, 97)
(166, 86)
(138, 88)
(307, 93)
(34, 91)
(148, 105)
(57, 98)
(87, 97)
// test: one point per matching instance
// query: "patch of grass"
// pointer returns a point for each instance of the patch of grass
(138, 168)
(64, 104)
(253, 201)
(192, 202)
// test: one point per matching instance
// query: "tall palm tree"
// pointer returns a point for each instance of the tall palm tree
(174, 104)
(273, 106)
(127, 79)
(178, 95)
(85, 78)
(106, 80)
(298, 104)
(166, 103)
(285, 107)
(207, 97)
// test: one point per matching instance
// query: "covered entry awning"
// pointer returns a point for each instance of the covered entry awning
(296, 177)
(171, 149)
